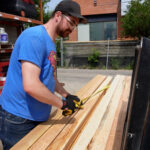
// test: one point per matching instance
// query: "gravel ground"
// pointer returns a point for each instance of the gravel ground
(74, 79)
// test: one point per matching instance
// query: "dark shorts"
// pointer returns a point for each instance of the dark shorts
(13, 128)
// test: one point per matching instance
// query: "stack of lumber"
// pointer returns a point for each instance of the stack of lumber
(98, 126)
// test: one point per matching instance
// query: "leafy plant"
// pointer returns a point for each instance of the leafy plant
(93, 59)
(115, 63)
(46, 14)
(57, 42)
(136, 22)
(129, 66)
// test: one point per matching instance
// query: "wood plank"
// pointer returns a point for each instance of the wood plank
(101, 136)
(60, 124)
(115, 137)
(41, 129)
(70, 132)
(35, 134)
(89, 130)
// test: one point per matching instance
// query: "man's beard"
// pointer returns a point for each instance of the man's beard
(61, 32)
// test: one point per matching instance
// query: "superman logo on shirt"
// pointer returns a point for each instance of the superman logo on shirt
(52, 59)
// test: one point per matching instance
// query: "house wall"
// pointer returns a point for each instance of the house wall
(73, 36)
(102, 7)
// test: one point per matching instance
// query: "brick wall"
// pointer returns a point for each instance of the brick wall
(102, 7)
(119, 21)
(73, 36)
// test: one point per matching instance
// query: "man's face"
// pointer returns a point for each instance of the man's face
(66, 25)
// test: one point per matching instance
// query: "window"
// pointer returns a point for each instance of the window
(83, 32)
(103, 31)
(96, 31)
(95, 2)
(110, 30)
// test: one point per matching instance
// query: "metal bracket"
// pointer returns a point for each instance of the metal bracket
(131, 135)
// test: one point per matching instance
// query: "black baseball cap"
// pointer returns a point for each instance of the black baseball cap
(71, 8)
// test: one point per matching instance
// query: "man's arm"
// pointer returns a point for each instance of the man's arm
(34, 87)
(59, 88)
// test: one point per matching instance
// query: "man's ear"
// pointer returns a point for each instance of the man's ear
(58, 16)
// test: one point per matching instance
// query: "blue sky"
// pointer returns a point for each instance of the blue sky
(124, 4)
(52, 4)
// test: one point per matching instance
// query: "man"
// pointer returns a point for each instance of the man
(28, 93)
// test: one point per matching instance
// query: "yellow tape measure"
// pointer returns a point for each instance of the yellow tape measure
(80, 104)
(84, 100)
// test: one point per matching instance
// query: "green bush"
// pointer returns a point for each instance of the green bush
(93, 59)
(136, 21)
(58, 48)
(121, 63)
(129, 66)
(115, 63)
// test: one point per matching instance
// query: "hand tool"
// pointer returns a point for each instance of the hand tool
(79, 105)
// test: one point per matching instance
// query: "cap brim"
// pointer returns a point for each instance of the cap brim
(81, 18)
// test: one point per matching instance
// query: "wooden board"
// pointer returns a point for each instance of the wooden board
(35, 134)
(101, 136)
(98, 120)
(41, 129)
(71, 131)
(52, 133)
(115, 136)
(90, 128)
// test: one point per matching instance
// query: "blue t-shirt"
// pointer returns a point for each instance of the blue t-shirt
(33, 45)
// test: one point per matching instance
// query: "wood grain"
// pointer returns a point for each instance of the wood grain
(44, 141)
(115, 137)
(93, 123)
(41, 129)
(70, 132)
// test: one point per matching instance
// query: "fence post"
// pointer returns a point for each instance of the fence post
(107, 54)
(62, 52)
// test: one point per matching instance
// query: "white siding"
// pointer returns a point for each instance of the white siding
(83, 32)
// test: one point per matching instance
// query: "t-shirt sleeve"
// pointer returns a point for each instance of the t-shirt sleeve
(31, 50)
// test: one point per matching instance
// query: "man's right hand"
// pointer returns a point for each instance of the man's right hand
(70, 105)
